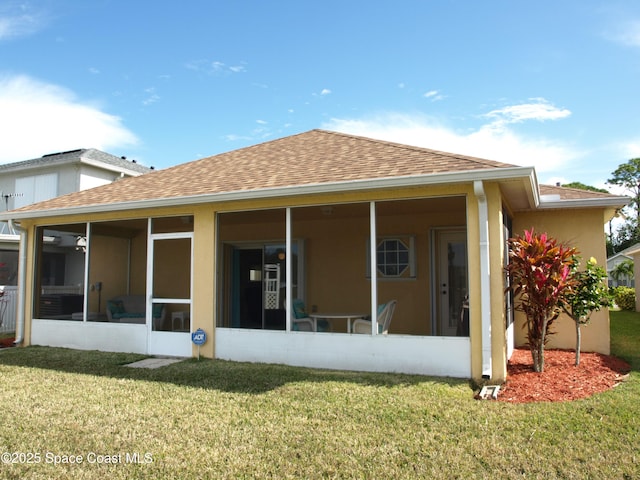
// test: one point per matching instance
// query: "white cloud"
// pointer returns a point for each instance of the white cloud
(325, 91)
(39, 118)
(214, 68)
(152, 96)
(488, 142)
(17, 20)
(627, 33)
(433, 95)
(630, 149)
(539, 109)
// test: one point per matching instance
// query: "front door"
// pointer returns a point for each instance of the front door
(169, 279)
(451, 278)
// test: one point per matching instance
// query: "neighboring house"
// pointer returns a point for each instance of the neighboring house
(340, 223)
(634, 253)
(615, 260)
(30, 181)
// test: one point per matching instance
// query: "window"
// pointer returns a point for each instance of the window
(395, 257)
(35, 189)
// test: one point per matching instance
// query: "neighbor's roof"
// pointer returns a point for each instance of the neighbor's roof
(310, 162)
(571, 193)
(555, 196)
(82, 155)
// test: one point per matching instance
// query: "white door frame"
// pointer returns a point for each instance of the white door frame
(160, 342)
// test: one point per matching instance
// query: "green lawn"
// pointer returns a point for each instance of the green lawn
(215, 419)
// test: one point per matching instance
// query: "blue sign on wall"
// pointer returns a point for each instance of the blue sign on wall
(199, 337)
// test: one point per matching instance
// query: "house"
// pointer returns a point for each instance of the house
(30, 181)
(613, 261)
(338, 223)
(633, 252)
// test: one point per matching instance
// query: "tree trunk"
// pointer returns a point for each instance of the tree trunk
(539, 365)
(537, 351)
(578, 340)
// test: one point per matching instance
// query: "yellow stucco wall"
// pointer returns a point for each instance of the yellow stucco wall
(498, 322)
(494, 207)
(584, 229)
(204, 297)
(109, 258)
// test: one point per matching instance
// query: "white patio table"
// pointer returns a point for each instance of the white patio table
(349, 317)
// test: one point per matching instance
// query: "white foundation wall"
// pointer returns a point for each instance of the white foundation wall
(104, 336)
(439, 356)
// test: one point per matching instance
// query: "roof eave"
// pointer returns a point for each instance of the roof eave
(111, 167)
(527, 174)
(608, 202)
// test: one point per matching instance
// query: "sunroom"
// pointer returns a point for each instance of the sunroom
(320, 256)
(126, 285)
(119, 285)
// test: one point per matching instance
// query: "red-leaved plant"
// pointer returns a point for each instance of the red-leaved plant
(540, 272)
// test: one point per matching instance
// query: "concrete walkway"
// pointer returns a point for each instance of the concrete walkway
(155, 362)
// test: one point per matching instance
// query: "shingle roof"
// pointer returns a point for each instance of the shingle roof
(313, 157)
(53, 159)
(571, 193)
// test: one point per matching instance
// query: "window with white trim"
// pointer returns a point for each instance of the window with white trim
(395, 257)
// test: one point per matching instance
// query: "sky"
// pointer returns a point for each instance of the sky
(549, 84)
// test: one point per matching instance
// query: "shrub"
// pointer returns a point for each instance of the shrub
(625, 298)
(539, 269)
(589, 294)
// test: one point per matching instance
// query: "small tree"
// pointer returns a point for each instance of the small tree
(589, 294)
(539, 268)
(627, 176)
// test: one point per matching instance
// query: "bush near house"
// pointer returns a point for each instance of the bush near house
(589, 294)
(625, 298)
(540, 270)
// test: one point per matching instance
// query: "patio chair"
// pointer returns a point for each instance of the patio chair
(302, 322)
(385, 313)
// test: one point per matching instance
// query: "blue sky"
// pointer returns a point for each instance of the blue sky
(550, 84)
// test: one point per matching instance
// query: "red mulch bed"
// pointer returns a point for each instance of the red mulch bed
(6, 342)
(561, 380)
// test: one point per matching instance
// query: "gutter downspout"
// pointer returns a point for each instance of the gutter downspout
(22, 281)
(485, 293)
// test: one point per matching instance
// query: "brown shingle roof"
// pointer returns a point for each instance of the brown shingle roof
(313, 157)
(572, 193)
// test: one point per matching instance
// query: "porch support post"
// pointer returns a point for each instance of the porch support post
(288, 267)
(22, 281)
(374, 268)
(485, 293)
(87, 256)
(149, 287)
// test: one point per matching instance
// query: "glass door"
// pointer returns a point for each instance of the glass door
(170, 282)
(257, 275)
(451, 287)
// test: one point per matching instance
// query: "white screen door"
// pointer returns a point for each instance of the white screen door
(170, 281)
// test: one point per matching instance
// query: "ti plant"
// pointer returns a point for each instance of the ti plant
(540, 273)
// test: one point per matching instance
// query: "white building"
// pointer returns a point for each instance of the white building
(30, 181)
(615, 260)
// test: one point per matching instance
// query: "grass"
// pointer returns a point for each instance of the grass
(216, 419)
